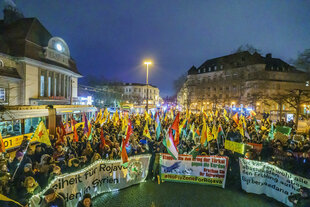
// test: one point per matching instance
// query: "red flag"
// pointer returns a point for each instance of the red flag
(75, 136)
(102, 139)
(2, 147)
(62, 132)
(175, 126)
(235, 118)
(129, 132)
(124, 153)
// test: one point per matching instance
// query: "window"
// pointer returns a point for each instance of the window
(221, 66)
(2, 94)
(42, 86)
(204, 70)
(199, 71)
(32, 122)
(1, 64)
(10, 128)
(215, 67)
(49, 86)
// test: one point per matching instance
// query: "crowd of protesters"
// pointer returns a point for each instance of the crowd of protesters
(34, 167)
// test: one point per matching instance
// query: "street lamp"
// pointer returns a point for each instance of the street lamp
(147, 63)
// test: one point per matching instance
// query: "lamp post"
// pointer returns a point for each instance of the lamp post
(147, 63)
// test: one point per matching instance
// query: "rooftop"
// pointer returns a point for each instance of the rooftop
(242, 59)
(27, 37)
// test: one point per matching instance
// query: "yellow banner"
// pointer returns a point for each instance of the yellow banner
(234, 146)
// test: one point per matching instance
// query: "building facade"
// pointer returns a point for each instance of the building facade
(116, 94)
(35, 67)
(240, 79)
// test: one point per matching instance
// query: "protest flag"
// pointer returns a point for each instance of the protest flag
(204, 135)
(124, 154)
(41, 134)
(75, 135)
(2, 147)
(129, 132)
(235, 118)
(157, 125)
(175, 126)
(169, 144)
(4, 198)
(98, 118)
(209, 134)
(146, 131)
(283, 129)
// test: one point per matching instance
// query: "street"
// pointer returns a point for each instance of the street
(178, 194)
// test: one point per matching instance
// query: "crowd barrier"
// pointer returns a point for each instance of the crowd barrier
(210, 170)
(100, 177)
(263, 178)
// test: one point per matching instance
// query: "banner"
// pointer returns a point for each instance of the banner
(234, 146)
(264, 178)
(100, 177)
(210, 170)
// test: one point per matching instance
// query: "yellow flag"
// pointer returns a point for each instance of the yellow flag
(240, 127)
(209, 134)
(214, 131)
(41, 134)
(98, 118)
(4, 198)
(203, 133)
(146, 131)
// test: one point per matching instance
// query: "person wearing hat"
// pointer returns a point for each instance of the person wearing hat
(52, 198)
(86, 201)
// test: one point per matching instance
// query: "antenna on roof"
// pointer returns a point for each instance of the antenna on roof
(11, 13)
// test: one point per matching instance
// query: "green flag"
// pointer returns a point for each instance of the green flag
(283, 130)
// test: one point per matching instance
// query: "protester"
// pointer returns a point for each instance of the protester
(86, 201)
(51, 199)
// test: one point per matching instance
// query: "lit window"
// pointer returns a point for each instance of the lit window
(42, 86)
(209, 69)
(2, 94)
(204, 70)
(307, 83)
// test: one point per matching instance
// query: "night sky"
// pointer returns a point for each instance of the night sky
(111, 38)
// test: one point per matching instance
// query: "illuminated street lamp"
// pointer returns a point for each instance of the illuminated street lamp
(147, 63)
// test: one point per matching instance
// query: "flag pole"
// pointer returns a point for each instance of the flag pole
(24, 152)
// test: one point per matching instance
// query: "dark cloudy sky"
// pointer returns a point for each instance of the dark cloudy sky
(111, 38)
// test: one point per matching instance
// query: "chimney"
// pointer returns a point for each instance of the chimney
(268, 56)
(11, 13)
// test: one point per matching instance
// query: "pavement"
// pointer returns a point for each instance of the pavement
(151, 194)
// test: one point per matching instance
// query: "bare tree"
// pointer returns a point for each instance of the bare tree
(247, 47)
(295, 98)
(303, 61)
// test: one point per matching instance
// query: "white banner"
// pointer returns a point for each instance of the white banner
(100, 177)
(264, 178)
(210, 170)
